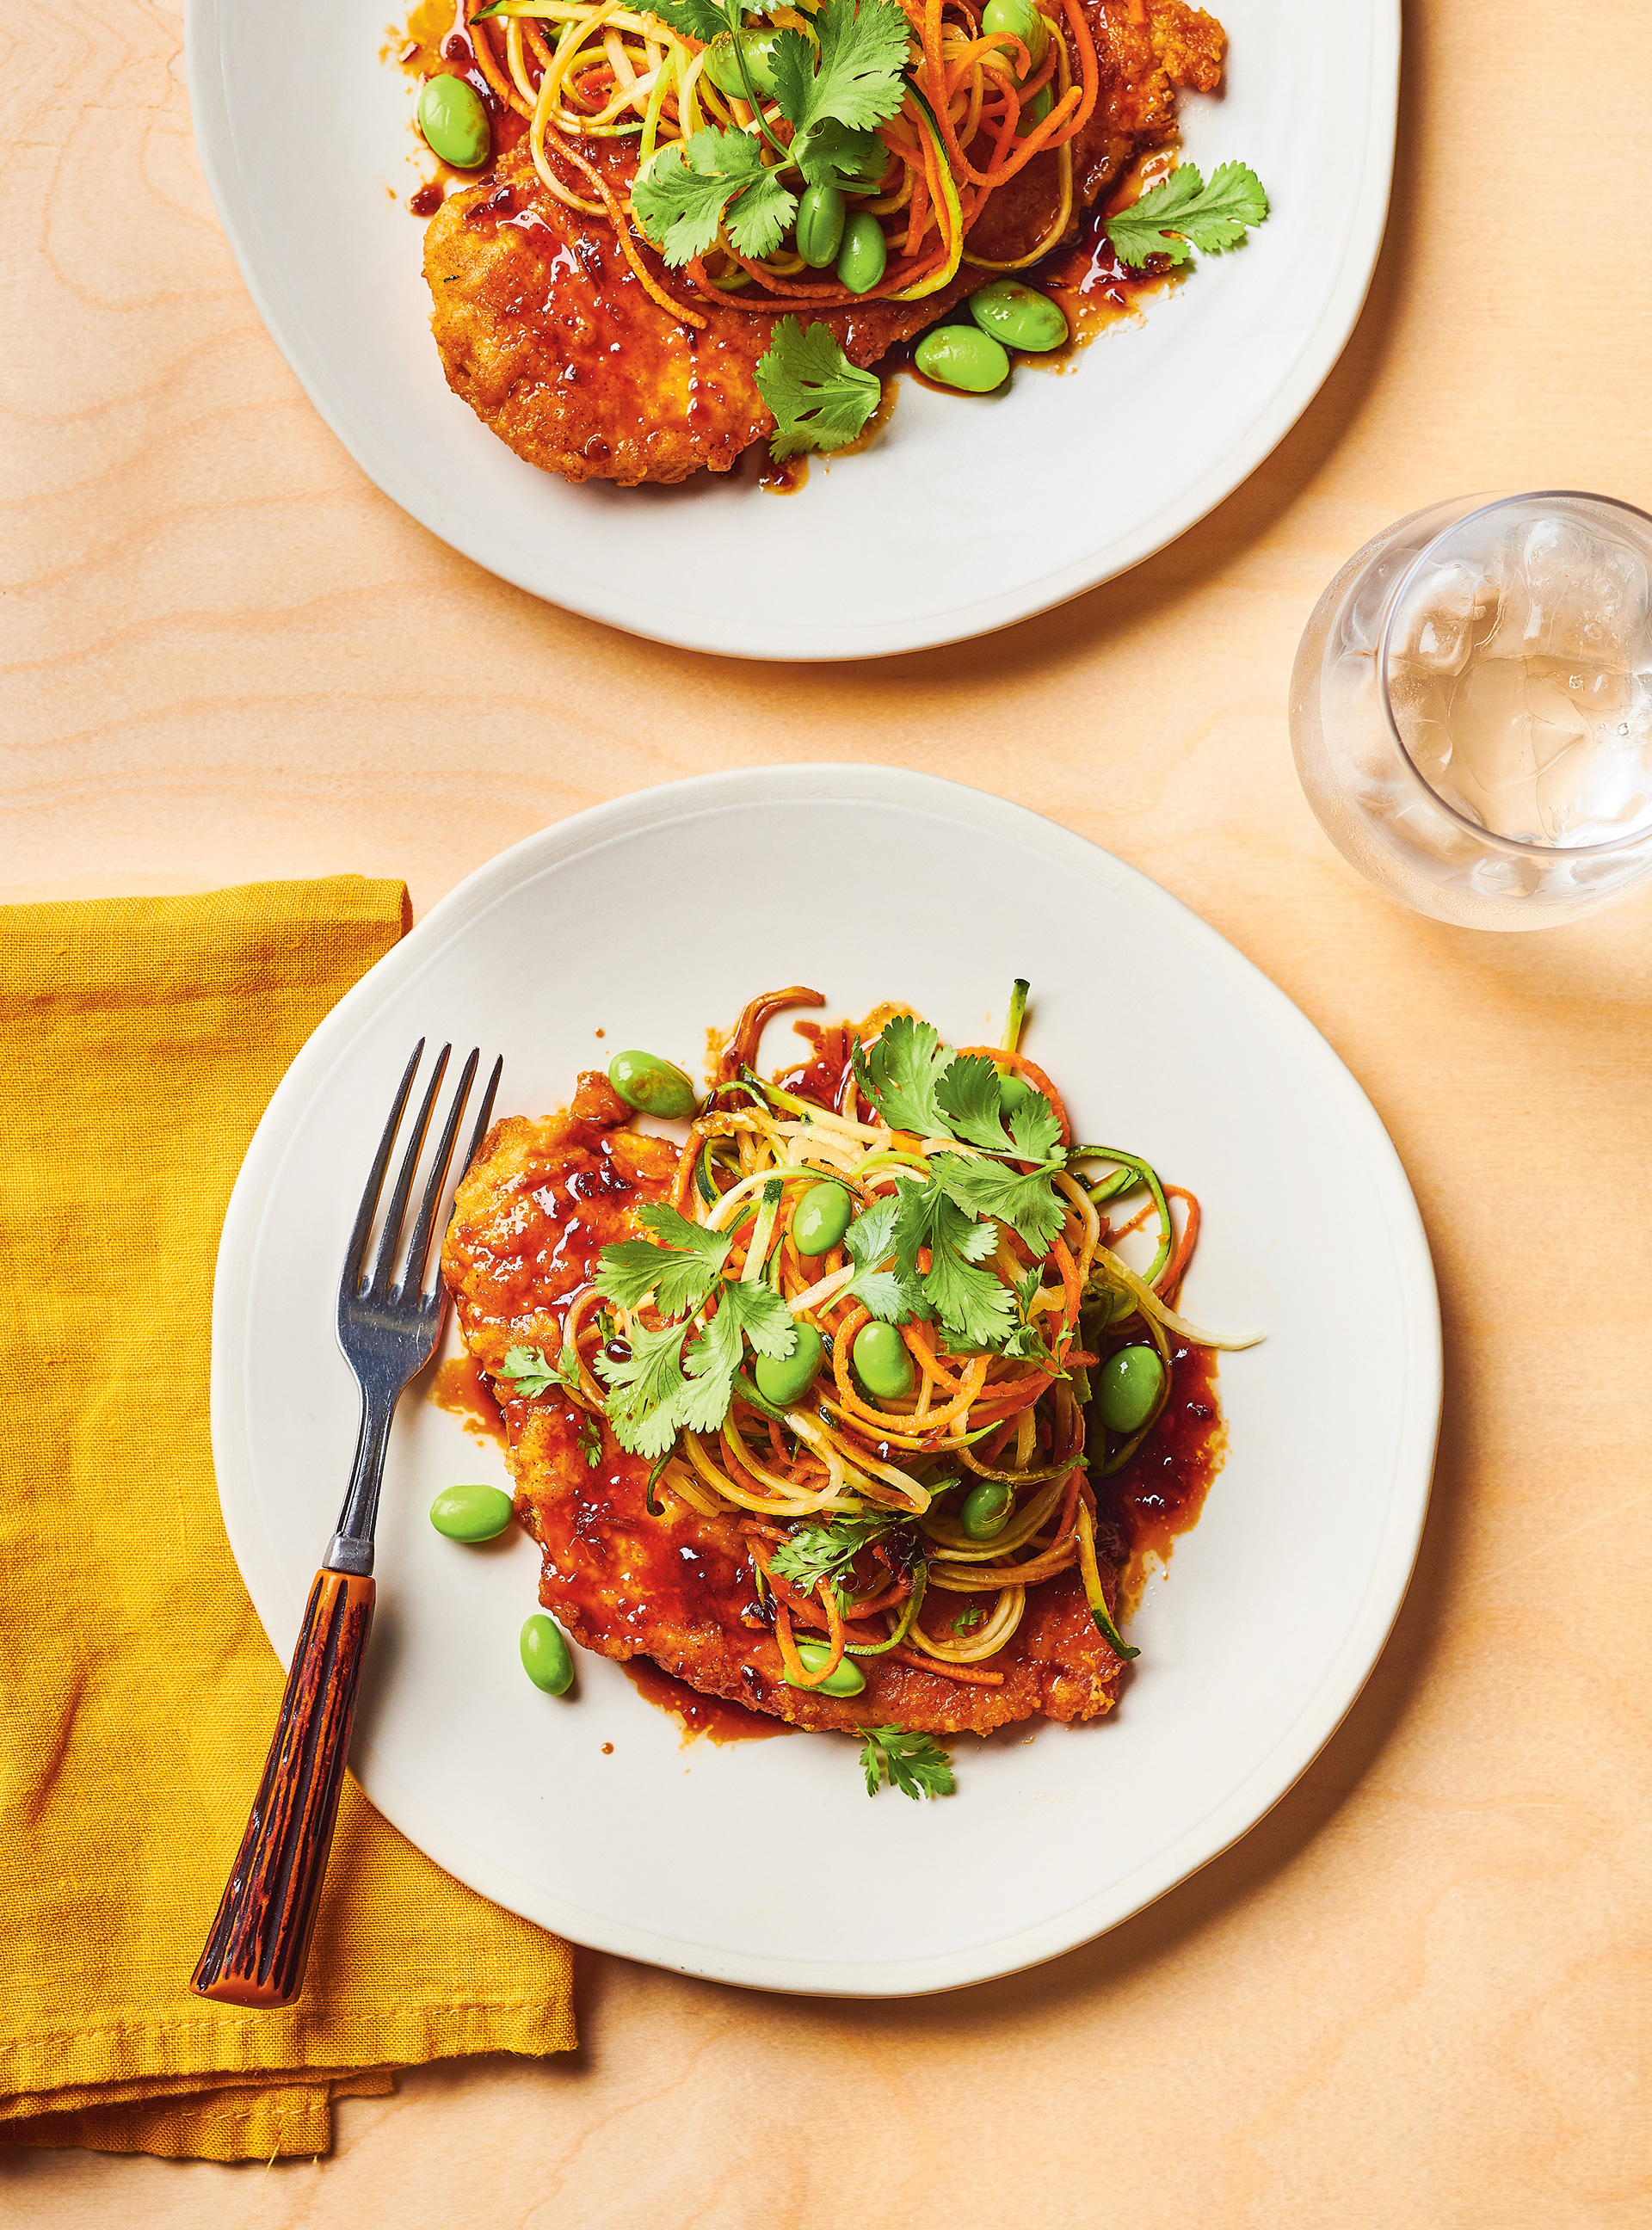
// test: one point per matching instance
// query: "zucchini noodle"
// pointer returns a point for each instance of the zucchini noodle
(974, 1419)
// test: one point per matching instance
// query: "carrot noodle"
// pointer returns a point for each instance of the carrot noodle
(971, 1416)
(603, 69)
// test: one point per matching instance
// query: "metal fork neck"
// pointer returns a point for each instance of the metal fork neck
(352, 1548)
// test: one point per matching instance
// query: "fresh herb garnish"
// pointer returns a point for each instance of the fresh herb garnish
(820, 400)
(590, 1440)
(913, 1764)
(966, 1619)
(813, 1553)
(870, 1241)
(1182, 213)
(900, 1074)
(662, 1388)
(679, 1270)
(681, 203)
(531, 1375)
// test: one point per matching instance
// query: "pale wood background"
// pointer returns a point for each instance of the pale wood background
(1418, 1993)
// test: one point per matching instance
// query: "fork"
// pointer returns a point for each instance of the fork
(257, 1952)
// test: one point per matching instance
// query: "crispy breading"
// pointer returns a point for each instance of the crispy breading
(549, 336)
(532, 1214)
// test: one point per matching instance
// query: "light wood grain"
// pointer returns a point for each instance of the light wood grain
(1418, 1993)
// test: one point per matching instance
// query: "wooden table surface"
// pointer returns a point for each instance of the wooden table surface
(1415, 1995)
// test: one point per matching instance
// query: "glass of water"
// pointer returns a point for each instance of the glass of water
(1471, 708)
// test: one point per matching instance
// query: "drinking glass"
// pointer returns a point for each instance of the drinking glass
(1471, 708)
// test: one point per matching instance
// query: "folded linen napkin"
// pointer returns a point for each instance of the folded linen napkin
(142, 1039)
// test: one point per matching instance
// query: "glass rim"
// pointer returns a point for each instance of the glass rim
(1481, 509)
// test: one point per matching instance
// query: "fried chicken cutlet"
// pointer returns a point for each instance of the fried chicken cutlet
(547, 333)
(536, 1208)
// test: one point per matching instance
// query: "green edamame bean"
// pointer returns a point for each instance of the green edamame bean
(471, 1513)
(1128, 1388)
(723, 69)
(1013, 1091)
(786, 1378)
(848, 1680)
(656, 1086)
(455, 122)
(986, 1509)
(963, 356)
(1018, 19)
(1021, 318)
(821, 1218)
(820, 225)
(546, 1657)
(865, 253)
(881, 1362)
(1035, 111)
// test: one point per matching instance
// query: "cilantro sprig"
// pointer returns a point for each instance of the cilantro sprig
(1182, 213)
(820, 400)
(915, 1763)
(813, 1553)
(531, 1375)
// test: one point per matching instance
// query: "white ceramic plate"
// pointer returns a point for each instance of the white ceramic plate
(651, 918)
(997, 509)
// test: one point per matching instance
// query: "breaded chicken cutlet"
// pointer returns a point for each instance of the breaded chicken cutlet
(547, 332)
(538, 1205)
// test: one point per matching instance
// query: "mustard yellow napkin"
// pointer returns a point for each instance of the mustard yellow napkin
(141, 1039)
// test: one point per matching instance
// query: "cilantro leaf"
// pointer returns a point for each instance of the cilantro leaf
(590, 1441)
(1036, 1130)
(1182, 209)
(698, 19)
(649, 1389)
(870, 1241)
(968, 1094)
(858, 82)
(913, 1764)
(968, 1300)
(820, 400)
(829, 154)
(813, 1553)
(681, 197)
(679, 1273)
(900, 1075)
(966, 1619)
(531, 1374)
(1030, 1204)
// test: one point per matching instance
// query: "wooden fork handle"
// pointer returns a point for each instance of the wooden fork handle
(260, 1939)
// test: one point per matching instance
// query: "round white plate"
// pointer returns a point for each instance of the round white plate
(765, 1862)
(966, 514)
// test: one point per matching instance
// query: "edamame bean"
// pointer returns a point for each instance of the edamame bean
(455, 122)
(1013, 1091)
(1021, 318)
(786, 1378)
(471, 1513)
(881, 1362)
(865, 253)
(655, 1086)
(1129, 1387)
(986, 1509)
(848, 1680)
(546, 1657)
(723, 69)
(1018, 19)
(963, 356)
(820, 225)
(821, 1218)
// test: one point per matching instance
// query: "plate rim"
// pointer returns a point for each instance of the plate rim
(402, 482)
(1271, 1776)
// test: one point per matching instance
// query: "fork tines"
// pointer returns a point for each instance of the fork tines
(377, 1288)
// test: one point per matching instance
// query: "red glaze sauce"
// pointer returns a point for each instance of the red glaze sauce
(699, 1715)
(1161, 1491)
(459, 1388)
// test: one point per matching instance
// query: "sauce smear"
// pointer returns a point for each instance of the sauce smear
(698, 1715)
(459, 1388)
